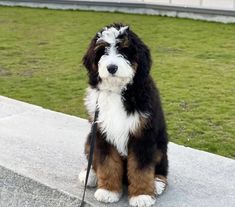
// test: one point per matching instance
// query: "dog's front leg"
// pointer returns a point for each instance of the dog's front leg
(141, 182)
(109, 174)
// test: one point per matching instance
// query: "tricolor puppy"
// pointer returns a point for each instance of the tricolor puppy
(131, 143)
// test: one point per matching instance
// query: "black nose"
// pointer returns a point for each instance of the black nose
(112, 68)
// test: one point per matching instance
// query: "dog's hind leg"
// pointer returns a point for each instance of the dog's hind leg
(161, 170)
(160, 183)
(92, 179)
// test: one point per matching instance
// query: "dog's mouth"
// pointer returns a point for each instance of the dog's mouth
(111, 76)
(114, 83)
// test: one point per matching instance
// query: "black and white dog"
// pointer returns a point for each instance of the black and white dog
(131, 143)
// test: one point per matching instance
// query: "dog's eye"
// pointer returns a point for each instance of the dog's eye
(124, 51)
(98, 53)
(101, 45)
(123, 42)
(128, 53)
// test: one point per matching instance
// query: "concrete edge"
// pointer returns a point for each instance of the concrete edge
(14, 183)
(217, 15)
(31, 106)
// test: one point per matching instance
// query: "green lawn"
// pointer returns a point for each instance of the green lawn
(194, 67)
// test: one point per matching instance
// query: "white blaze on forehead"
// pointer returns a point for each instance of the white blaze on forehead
(109, 35)
(111, 56)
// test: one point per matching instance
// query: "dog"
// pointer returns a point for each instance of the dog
(131, 139)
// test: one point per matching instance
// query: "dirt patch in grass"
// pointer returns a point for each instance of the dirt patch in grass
(27, 73)
(4, 72)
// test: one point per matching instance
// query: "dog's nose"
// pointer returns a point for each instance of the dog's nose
(112, 68)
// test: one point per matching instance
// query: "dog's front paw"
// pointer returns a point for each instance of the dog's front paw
(160, 185)
(142, 201)
(107, 196)
(92, 179)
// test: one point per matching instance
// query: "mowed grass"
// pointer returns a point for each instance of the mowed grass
(193, 65)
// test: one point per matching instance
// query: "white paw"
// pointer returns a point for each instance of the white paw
(92, 179)
(160, 186)
(107, 196)
(142, 201)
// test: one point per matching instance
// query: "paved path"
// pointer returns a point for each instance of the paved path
(42, 154)
(218, 12)
(218, 4)
(213, 4)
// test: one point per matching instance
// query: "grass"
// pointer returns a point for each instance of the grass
(194, 67)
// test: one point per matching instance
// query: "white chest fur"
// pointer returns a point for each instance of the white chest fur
(113, 119)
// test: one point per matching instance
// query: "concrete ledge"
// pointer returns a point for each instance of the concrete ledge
(42, 155)
(202, 13)
(20, 191)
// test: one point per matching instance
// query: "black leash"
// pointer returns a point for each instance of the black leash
(92, 146)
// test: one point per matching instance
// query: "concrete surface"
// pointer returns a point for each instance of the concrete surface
(206, 12)
(17, 190)
(42, 154)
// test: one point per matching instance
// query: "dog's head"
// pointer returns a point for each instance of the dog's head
(116, 57)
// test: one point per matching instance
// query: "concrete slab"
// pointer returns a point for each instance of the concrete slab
(20, 191)
(46, 149)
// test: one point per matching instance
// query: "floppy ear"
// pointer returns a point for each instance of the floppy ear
(89, 62)
(143, 58)
(88, 58)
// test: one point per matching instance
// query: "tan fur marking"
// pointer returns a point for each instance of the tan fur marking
(125, 42)
(158, 156)
(94, 161)
(110, 172)
(101, 44)
(141, 180)
(143, 123)
(134, 65)
(163, 178)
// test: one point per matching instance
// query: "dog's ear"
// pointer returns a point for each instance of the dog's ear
(88, 58)
(89, 62)
(143, 57)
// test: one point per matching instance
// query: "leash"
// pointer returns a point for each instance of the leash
(92, 146)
